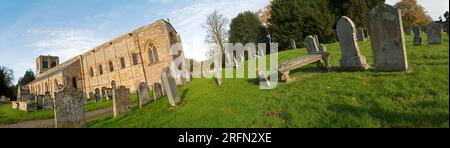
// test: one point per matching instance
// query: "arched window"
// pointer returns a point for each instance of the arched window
(91, 72)
(53, 64)
(134, 58)
(122, 62)
(74, 82)
(100, 69)
(153, 54)
(45, 64)
(111, 66)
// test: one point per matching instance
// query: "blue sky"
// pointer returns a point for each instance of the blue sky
(66, 28)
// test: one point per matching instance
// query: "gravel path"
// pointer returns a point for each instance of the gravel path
(50, 123)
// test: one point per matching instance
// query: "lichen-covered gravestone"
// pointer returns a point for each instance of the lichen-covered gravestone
(417, 36)
(157, 91)
(311, 44)
(360, 34)
(121, 101)
(69, 109)
(170, 87)
(434, 33)
(143, 95)
(387, 38)
(351, 57)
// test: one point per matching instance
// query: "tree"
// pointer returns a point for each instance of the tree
(216, 32)
(413, 14)
(6, 84)
(357, 10)
(246, 28)
(27, 77)
(265, 14)
(296, 19)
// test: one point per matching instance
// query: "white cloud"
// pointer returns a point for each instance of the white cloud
(64, 42)
(188, 21)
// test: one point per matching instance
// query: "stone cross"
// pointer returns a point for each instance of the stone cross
(351, 57)
(170, 87)
(69, 109)
(143, 95)
(387, 38)
(434, 33)
(121, 101)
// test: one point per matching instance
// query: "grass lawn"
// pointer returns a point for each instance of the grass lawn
(9, 115)
(370, 99)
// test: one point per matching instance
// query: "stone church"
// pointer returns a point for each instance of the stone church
(137, 56)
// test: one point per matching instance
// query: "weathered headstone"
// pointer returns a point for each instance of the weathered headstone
(408, 30)
(293, 44)
(360, 34)
(311, 44)
(417, 36)
(28, 106)
(109, 93)
(69, 109)
(157, 91)
(121, 101)
(434, 33)
(143, 95)
(47, 101)
(322, 48)
(97, 96)
(15, 104)
(170, 87)
(387, 38)
(351, 57)
(91, 95)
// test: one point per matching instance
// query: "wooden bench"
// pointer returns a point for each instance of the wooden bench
(320, 58)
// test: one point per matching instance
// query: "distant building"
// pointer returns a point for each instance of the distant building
(138, 56)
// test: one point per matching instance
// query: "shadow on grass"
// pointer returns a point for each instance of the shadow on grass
(393, 119)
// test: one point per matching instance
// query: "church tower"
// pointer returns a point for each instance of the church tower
(44, 63)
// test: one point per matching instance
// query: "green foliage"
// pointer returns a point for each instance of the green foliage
(295, 19)
(6, 84)
(27, 77)
(357, 10)
(247, 28)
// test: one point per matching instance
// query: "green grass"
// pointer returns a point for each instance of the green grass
(369, 99)
(9, 115)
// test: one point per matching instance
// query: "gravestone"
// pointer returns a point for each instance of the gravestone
(351, 57)
(121, 101)
(39, 100)
(360, 34)
(15, 105)
(157, 91)
(434, 33)
(3, 99)
(293, 45)
(408, 30)
(263, 80)
(387, 38)
(311, 44)
(169, 85)
(91, 95)
(417, 36)
(27, 106)
(69, 109)
(47, 101)
(109, 93)
(97, 96)
(143, 95)
(322, 48)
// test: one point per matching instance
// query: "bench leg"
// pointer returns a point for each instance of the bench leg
(327, 63)
(285, 77)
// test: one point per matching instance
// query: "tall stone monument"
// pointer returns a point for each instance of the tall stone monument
(387, 38)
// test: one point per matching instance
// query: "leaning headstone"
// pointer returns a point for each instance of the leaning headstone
(121, 101)
(157, 91)
(360, 34)
(293, 44)
(170, 87)
(311, 45)
(417, 36)
(434, 33)
(69, 109)
(387, 38)
(143, 95)
(351, 57)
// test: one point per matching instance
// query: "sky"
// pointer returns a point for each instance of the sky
(67, 28)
